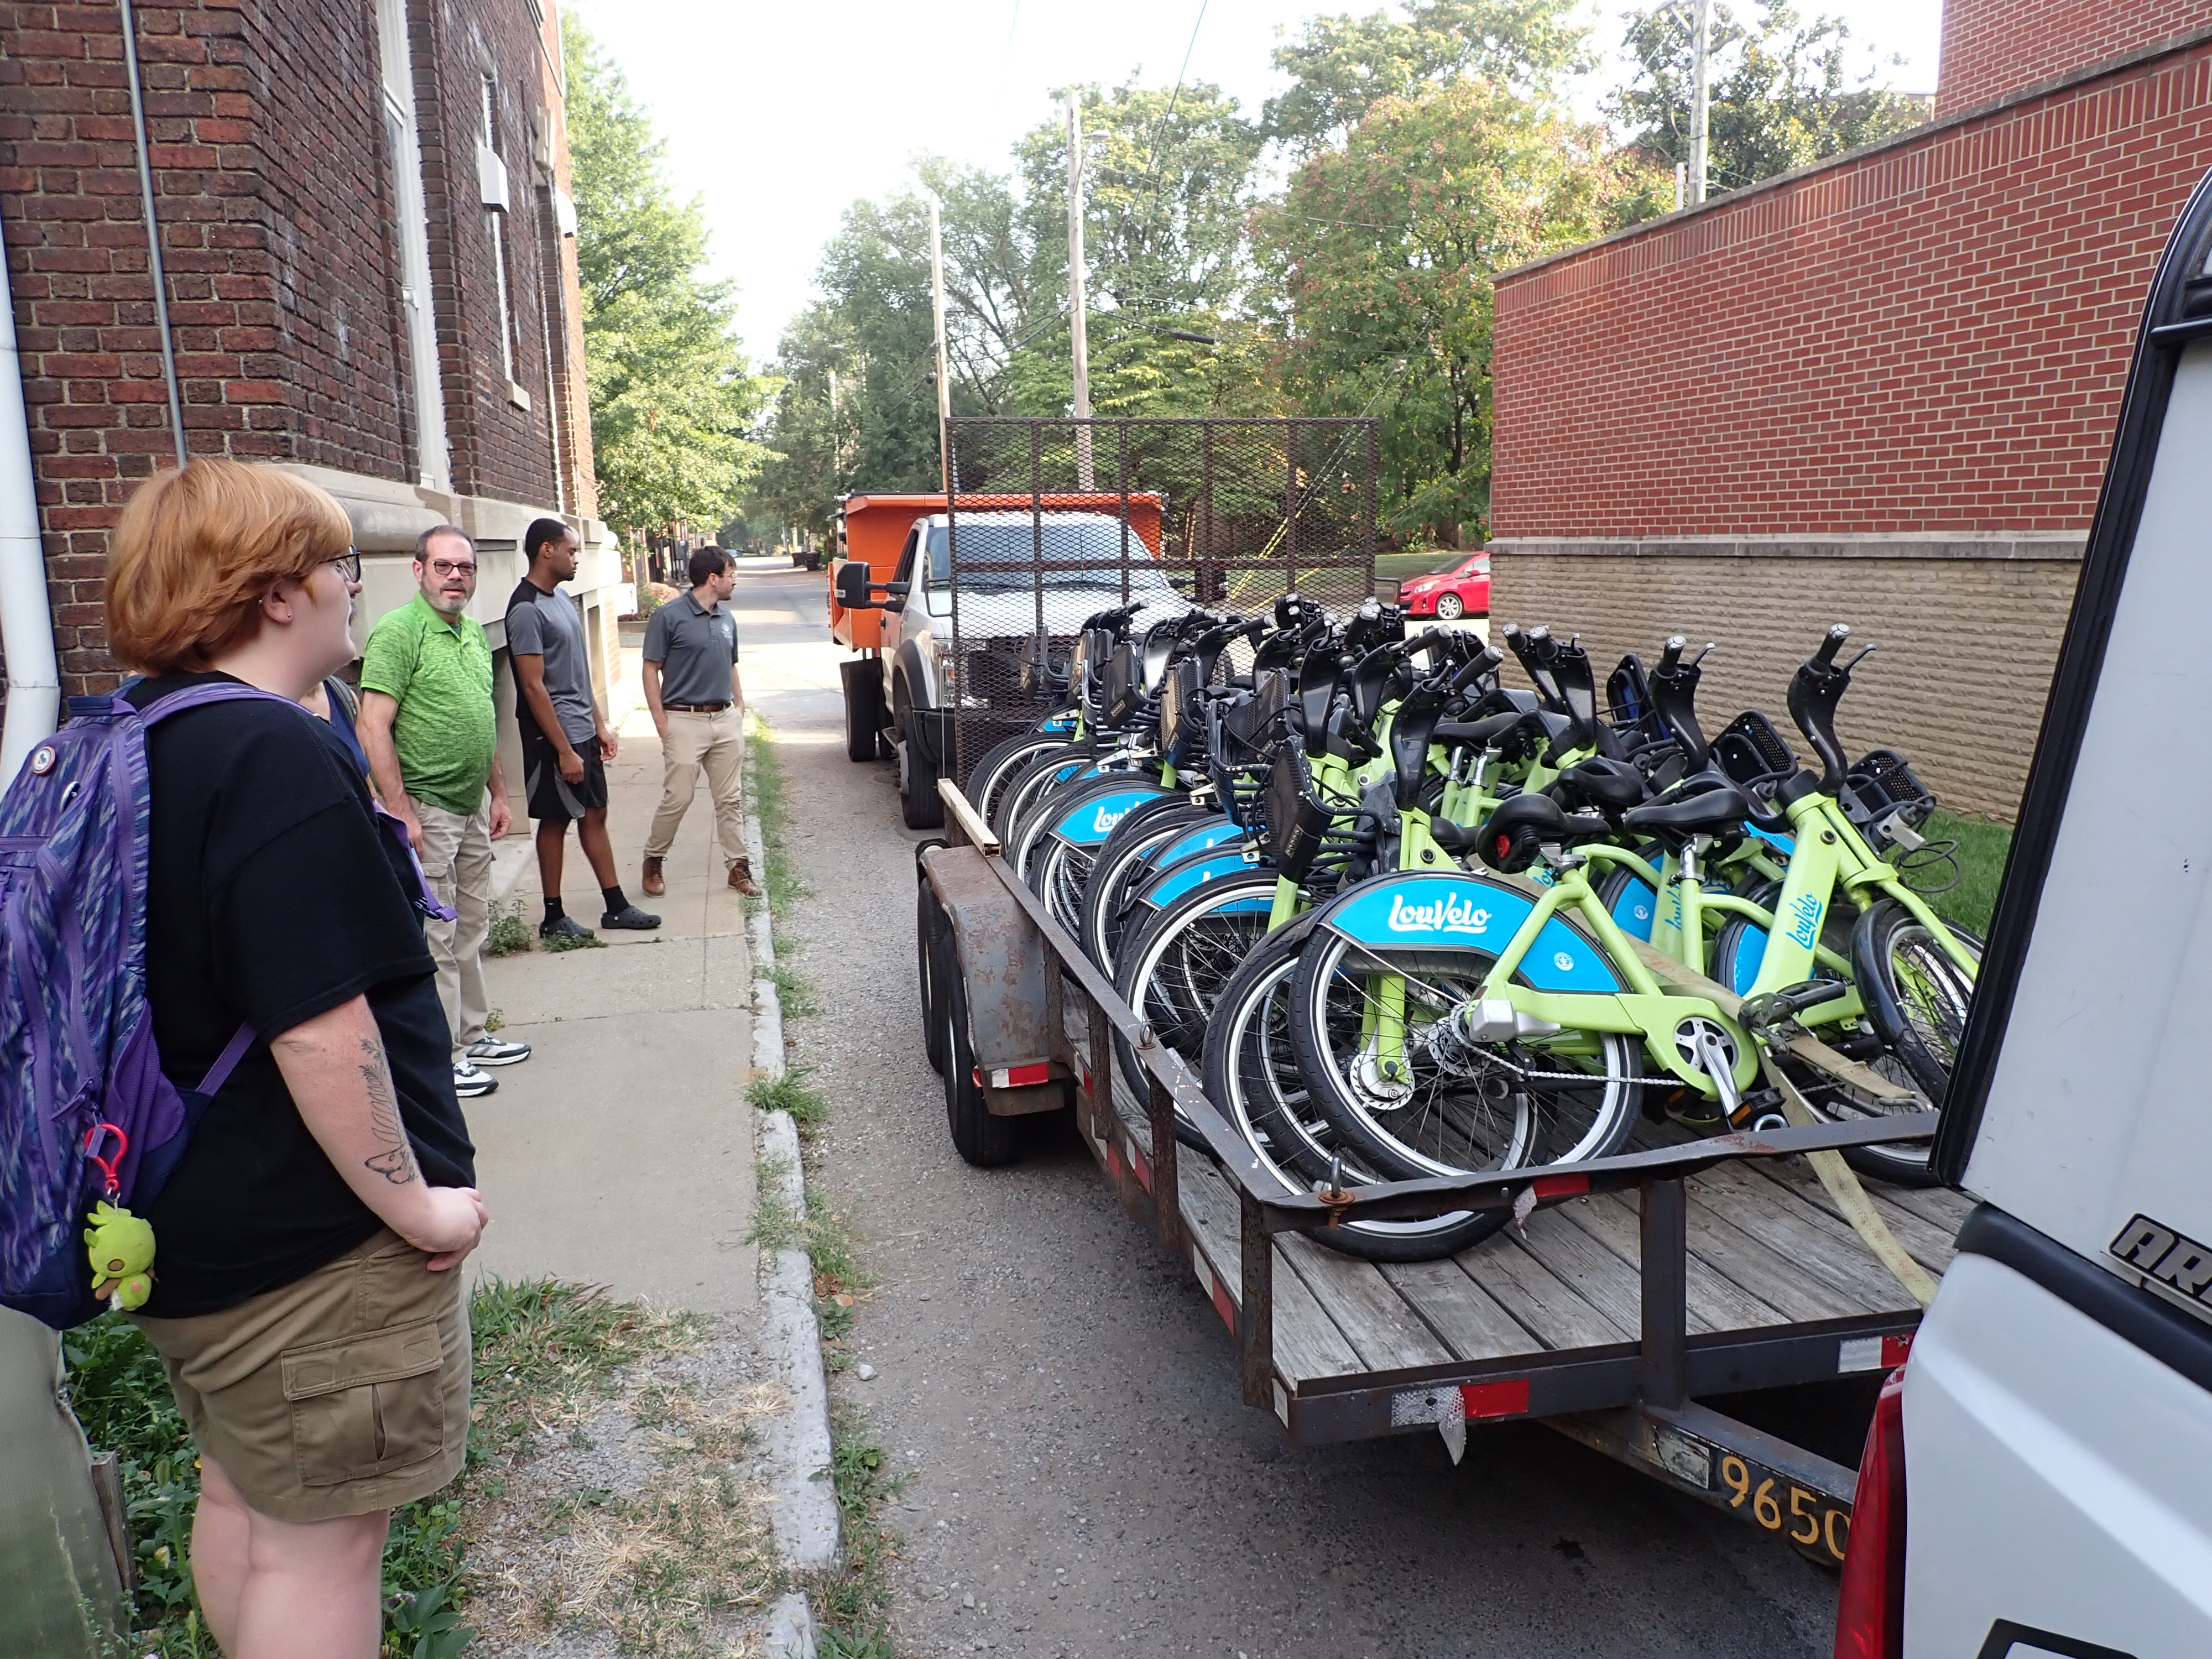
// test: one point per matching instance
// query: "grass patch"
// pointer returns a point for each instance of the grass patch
(766, 795)
(808, 1106)
(1404, 566)
(854, 1602)
(510, 935)
(556, 942)
(827, 1237)
(546, 1352)
(793, 993)
(1981, 855)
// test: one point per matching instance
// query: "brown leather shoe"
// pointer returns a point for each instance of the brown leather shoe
(651, 882)
(741, 877)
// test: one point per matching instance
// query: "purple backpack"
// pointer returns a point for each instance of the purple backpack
(86, 1112)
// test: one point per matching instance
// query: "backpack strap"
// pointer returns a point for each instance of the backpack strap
(227, 1061)
(199, 696)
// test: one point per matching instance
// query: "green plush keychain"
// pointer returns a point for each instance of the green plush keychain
(122, 1250)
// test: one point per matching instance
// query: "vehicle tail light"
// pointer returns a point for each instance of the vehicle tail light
(1870, 1611)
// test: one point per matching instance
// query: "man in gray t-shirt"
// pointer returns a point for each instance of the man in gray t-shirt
(691, 687)
(566, 741)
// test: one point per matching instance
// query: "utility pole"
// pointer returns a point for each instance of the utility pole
(1700, 101)
(1078, 328)
(936, 313)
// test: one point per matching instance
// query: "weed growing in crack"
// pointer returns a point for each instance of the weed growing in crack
(509, 932)
(808, 1106)
(854, 1602)
(792, 994)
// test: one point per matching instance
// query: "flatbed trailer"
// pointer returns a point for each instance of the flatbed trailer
(1669, 1273)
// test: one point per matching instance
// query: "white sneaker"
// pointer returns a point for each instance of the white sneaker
(469, 1083)
(491, 1051)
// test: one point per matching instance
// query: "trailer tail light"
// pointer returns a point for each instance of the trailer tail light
(1021, 1077)
(1870, 1611)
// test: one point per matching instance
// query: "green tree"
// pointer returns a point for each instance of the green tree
(672, 396)
(1342, 65)
(1387, 244)
(1781, 95)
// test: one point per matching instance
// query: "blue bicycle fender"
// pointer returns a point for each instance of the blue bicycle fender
(1089, 821)
(1193, 872)
(1451, 912)
(1633, 909)
(1198, 840)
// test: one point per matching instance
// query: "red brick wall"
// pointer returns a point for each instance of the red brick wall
(498, 449)
(1931, 336)
(1991, 47)
(275, 200)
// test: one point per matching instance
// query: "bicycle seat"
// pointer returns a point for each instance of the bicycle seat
(1525, 824)
(1477, 734)
(1704, 806)
(1611, 786)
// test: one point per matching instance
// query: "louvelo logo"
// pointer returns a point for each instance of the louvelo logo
(1805, 923)
(1448, 914)
(1102, 822)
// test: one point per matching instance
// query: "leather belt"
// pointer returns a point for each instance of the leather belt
(694, 708)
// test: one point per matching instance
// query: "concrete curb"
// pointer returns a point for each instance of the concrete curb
(804, 1508)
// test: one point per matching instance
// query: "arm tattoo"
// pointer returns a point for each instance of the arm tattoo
(395, 1160)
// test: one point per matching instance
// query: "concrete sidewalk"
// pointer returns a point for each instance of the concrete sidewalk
(622, 1152)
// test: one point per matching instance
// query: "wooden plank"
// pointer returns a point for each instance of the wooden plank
(1929, 1242)
(1717, 1301)
(1388, 1334)
(1457, 1307)
(1601, 1278)
(1774, 1278)
(1308, 1344)
(1553, 1309)
(1789, 1223)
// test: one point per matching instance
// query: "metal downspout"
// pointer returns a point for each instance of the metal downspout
(153, 230)
(27, 622)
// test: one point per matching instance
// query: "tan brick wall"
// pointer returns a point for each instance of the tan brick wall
(1956, 688)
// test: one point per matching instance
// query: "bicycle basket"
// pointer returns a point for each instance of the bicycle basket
(1880, 786)
(1117, 687)
(1180, 728)
(1297, 821)
(1750, 749)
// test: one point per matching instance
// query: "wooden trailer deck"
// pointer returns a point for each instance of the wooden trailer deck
(1779, 1290)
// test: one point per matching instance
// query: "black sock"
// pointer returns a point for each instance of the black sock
(553, 910)
(616, 902)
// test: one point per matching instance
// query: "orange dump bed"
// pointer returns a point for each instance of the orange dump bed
(874, 530)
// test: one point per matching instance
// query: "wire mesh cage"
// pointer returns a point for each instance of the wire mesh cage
(1050, 522)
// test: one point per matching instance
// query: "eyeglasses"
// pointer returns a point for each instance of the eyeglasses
(347, 563)
(448, 567)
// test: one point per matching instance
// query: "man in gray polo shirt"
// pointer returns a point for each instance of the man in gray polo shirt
(698, 707)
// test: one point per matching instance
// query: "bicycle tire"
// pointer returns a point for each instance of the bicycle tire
(1463, 1123)
(1920, 1015)
(1170, 972)
(1002, 760)
(1252, 1077)
(1015, 795)
(1125, 861)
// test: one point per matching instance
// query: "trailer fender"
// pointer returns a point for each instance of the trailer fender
(1002, 964)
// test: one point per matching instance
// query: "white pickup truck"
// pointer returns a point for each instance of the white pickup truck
(2039, 1481)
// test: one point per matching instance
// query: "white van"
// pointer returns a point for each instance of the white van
(2039, 1481)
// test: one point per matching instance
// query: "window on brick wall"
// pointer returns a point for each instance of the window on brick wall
(421, 354)
(493, 189)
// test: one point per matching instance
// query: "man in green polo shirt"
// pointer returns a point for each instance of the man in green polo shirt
(428, 727)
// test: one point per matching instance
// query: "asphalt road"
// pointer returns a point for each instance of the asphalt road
(1084, 1478)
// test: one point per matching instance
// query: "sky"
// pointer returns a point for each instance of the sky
(779, 113)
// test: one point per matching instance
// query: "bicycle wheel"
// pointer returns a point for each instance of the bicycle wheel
(1038, 804)
(1017, 792)
(1917, 1000)
(1126, 859)
(1002, 763)
(1629, 900)
(1174, 969)
(1252, 1076)
(1370, 1028)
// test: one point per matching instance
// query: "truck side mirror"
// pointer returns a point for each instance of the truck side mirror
(853, 586)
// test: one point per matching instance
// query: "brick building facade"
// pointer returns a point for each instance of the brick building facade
(367, 245)
(1880, 390)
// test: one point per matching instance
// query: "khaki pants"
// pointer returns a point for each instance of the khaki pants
(457, 858)
(716, 742)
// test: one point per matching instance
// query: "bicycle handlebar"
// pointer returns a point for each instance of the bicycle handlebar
(1838, 633)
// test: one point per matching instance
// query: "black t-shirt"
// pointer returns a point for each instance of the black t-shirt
(270, 899)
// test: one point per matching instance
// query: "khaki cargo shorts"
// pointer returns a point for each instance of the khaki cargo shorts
(344, 1393)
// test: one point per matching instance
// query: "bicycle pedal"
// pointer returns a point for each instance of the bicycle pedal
(1760, 1109)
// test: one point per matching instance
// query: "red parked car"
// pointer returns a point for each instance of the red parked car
(1461, 591)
